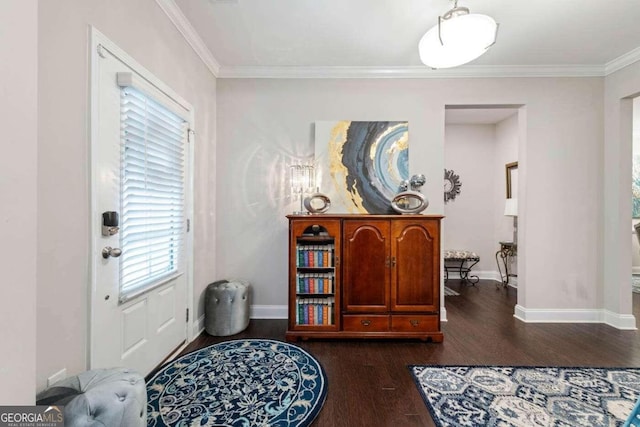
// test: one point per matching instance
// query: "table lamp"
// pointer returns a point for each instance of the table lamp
(303, 181)
(511, 209)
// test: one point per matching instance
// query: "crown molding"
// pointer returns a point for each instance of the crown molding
(185, 28)
(411, 72)
(622, 61)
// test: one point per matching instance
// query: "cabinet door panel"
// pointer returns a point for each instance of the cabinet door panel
(365, 274)
(415, 269)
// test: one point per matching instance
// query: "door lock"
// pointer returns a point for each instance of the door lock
(113, 252)
(110, 223)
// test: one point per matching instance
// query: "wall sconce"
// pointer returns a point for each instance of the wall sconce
(303, 182)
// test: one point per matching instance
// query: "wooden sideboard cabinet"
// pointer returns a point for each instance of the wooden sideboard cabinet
(383, 271)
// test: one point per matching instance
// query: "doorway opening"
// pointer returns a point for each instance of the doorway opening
(481, 150)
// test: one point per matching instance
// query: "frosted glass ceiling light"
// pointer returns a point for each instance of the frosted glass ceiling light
(459, 37)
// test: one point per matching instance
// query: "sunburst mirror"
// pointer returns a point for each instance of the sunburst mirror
(452, 185)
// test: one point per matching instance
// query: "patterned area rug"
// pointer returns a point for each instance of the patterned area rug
(527, 396)
(238, 383)
(635, 283)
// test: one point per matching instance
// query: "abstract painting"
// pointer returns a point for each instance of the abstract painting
(360, 165)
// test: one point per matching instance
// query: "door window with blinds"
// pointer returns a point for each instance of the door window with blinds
(153, 217)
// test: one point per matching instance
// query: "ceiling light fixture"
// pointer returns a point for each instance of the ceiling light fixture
(459, 37)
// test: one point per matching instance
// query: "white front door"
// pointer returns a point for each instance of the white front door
(139, 328)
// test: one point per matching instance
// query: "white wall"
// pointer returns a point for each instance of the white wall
(63, 148)
(264, 123)
(18, 109)
(635, 250)
(635, 245)
(615, 207)
(470, 151)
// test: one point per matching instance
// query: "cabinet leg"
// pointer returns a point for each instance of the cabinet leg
(434, 338)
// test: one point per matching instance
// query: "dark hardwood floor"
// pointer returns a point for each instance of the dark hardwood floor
(369, 383)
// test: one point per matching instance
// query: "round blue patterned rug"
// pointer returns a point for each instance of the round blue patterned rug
(238, 383)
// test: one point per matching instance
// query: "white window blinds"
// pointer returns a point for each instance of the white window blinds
(152, 190)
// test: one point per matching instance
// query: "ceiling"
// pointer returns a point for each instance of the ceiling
(548, 37)
(477, 116)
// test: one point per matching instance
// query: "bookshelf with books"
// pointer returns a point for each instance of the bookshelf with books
(364, 276)
(314, 276)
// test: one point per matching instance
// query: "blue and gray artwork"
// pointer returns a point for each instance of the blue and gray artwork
(362, 164)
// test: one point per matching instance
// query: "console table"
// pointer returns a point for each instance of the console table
(507, 251)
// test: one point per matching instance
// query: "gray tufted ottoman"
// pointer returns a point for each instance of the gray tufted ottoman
(226, 305)
(100, 397)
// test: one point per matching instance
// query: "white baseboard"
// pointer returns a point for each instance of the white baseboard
(635, 270)
(198, 326)
(281, 312)
(551, 315)
(527, 315)
(619, 321)
(256, 312)
(269, 312)
(482, 275)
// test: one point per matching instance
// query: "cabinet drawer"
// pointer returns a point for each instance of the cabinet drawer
(417, 323)
(372, 323)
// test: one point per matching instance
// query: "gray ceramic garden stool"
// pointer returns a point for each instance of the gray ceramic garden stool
(226, 305)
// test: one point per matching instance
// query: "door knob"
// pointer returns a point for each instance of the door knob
(109, 251)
